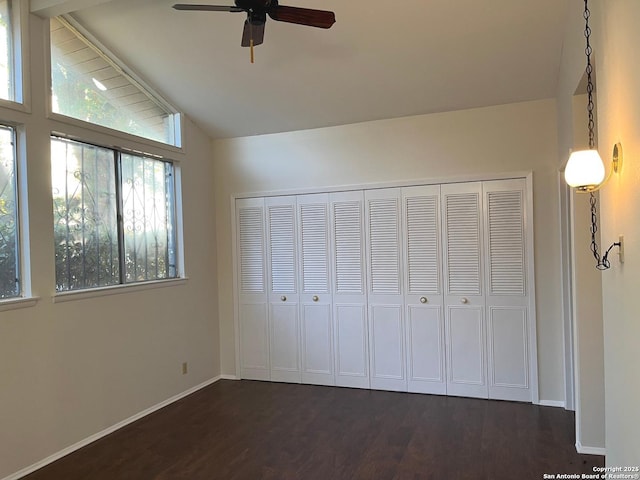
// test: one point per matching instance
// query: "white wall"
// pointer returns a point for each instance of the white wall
(589, 345)
(615, 40)
(618, 70)
(587, 309)
(69, 370)
(509, 138)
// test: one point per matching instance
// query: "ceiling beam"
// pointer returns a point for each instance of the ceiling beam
(53, 8)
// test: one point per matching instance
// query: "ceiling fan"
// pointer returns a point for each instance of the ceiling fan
(257, 11)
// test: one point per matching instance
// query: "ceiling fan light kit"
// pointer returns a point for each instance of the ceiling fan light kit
(257, 11)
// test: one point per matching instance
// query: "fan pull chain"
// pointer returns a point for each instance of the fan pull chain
(251, 39)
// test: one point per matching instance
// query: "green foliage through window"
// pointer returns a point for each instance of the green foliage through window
(9, 271)
(113, 216)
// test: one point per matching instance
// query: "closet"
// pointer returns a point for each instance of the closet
(421, 289)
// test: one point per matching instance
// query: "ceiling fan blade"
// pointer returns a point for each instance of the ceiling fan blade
(252, 29)
(302, 16)
(206, 8)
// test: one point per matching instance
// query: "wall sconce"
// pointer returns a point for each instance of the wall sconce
(585, 170)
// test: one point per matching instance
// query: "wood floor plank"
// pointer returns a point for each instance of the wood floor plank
(258, 430)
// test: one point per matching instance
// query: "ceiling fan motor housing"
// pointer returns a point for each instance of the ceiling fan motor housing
(256, 10)
(256, 5)
(257, 18)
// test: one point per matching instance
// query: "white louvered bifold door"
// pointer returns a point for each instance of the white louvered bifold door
(252, 289)
(508, 352)
(385, 293)
(349, 289)
(315, 290)
(464, 290)
(284, 325)
(423, 290)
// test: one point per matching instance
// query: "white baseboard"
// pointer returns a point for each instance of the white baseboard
(229, 377)
(552, 403)
(590, 450)
(82, 443)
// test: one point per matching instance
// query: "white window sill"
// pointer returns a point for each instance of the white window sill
(61, 297)
(16, 303)
(14, 105)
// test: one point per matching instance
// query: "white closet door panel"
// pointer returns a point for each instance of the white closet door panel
(508, 328)
(425, 327)
(285, 361)
(508, 353)
(254, 341)
(465, 330)
(423, 296)
(352, 355)
(284, 331)
(315, 290)
(387, 352)
(385, 295)
(466, 364)
(253, 322)
(351, 332)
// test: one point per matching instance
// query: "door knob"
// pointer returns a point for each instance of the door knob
(464, 300)
(315, 298)
(283, 298)
(423, 299)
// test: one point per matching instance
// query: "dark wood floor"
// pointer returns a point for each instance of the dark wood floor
(256, 430)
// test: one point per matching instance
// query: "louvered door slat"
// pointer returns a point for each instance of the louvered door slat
(506, 243)
(251, 229)
(384, 246)
(347, 225)
(422, 245)
(315, 260)
(282, 248)
(463, 243)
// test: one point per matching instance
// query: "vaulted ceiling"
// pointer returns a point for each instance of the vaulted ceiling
(380, 60)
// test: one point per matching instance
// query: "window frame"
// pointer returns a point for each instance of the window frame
(25, 297)
(176, 214)
(21, 101)
(16, 214)
(109, 56)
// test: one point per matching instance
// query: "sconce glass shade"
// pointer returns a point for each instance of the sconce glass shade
(584, 170)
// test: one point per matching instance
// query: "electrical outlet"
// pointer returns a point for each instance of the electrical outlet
(185, 368)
